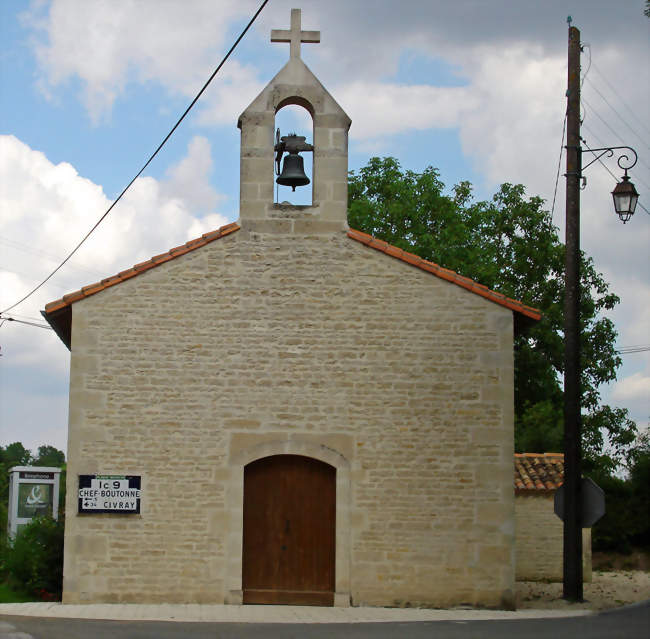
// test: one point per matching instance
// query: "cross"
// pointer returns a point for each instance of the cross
(295, 36)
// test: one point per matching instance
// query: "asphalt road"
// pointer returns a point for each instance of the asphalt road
(630, 622)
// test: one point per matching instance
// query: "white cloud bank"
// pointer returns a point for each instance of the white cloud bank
(508, 112)
(108, 44)
(47, 208)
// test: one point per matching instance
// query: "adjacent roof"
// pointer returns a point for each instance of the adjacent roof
(538, 472)
(445, 274)
(58, 313)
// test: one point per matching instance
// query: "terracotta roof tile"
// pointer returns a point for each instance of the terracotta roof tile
(58, 313)
(107, 282)
(445, 274)
(538, 472)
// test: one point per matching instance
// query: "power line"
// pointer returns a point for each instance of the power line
(620, 117)
(586, 45)
(597, 157)
(146, 164)
(617, 93)
(13, 319)
(559, 162)
(26, 317)
(620, 139)
(625, 350)
(643, 207)
(25, 248)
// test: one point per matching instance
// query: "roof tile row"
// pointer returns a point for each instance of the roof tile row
(539, 471)
(363, 238)
(86, 291)
(445, 274)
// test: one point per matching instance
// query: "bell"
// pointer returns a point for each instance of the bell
(293, 172)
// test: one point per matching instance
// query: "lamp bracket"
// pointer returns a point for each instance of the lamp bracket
(609, 152)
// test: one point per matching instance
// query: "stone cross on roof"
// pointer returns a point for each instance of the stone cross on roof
(295, 36)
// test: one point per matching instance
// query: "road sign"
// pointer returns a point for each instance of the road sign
(109, 494)
(593, 502)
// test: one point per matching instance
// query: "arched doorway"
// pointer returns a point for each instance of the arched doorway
(289, 531)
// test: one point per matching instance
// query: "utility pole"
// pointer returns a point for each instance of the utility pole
(572, 444)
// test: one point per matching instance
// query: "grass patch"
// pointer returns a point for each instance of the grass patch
(10, 595)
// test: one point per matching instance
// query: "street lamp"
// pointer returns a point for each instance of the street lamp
(625, 198)
(624, 194)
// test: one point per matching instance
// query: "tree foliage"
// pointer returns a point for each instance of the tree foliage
(510, 245)
(626, 523)
(33, 561)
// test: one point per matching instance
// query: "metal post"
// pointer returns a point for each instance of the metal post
(572, 443)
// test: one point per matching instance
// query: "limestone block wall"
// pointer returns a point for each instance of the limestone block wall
(539, 540)
(266, 342)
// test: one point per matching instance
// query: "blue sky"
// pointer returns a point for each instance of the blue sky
(89, 89)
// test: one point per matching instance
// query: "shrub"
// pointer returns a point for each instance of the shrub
(34, 561)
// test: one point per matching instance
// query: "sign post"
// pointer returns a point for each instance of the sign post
(33, 492)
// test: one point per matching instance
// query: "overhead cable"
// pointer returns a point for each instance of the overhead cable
(146, 164)
(620, 117)
(618, 94)
(559, 162)
(13, 319)
(625, 350)
(620, 139)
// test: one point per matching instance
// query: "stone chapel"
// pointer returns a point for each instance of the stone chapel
(312, 415)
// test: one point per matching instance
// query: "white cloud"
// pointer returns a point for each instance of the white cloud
(226, 99)
(107, 44)
(509, 112)
(49, 208)
(189, 179)
(633, 392)
(380, 109)
(634, 387)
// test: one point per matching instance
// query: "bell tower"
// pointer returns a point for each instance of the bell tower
(294, 84)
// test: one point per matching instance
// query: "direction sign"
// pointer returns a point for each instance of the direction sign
(593, 502)
(109, 494)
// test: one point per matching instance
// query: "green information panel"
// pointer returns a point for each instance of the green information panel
(34, 500)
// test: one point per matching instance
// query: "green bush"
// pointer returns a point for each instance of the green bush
(626, 524)
(34, 561)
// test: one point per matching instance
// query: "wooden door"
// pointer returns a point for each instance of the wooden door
(289, 531)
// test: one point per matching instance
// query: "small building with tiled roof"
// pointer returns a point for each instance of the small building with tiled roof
(539, 532)
(308, 415)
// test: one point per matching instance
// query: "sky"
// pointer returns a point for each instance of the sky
(88, 89)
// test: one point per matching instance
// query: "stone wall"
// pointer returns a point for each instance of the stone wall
(266, 342)
(539, 540)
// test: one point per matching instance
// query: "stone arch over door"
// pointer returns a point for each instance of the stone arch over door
(234, 508)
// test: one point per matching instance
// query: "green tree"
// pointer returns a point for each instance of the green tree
(15, 455)
(510, 245)
(49, 456)
(626, 523)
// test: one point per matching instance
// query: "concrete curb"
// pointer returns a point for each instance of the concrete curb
(269, 614)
